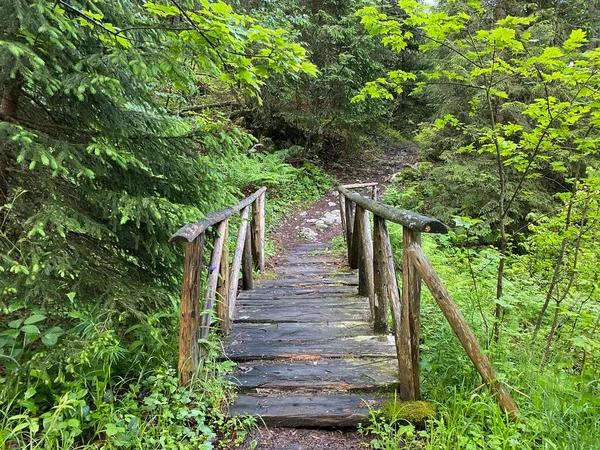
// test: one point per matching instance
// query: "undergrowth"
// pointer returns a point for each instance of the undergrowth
(559, 400)
(92, 374)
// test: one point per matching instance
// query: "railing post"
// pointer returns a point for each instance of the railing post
(223, 284)
(355, 257)
(342, 202)
(389, 288)
(219, 244)
(258, 232)
(247, 262)
(411, 311)
(349, 228)
(366, 282)
(380, 279)
(237, 260)
(188, 314)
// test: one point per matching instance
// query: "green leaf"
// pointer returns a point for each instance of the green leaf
(15, 323)
(35, 318)
(575, 41)
(30, 329)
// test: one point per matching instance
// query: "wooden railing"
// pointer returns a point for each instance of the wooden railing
(222, 279)
(371, 253)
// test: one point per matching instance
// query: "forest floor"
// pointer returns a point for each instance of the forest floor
(320, 222)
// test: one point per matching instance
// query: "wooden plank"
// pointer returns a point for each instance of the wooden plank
(461, 329)
(380, 280)
(306, 411)
(411, 310)
(327, 374)
(408, 219)
(188, 314)
(247, 262)
(315, 301)
(213, 278)
(299, 332)
(301, 287)
(242, 348)
(223, 284)
(301, 314)
(237, 260)
(190, 231)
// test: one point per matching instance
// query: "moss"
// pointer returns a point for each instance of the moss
(417, 412)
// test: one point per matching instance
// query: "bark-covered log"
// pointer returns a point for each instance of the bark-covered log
(223, 285)
(408, 219)
(342, 202)
(461, 329)
(237, 260)
(411, 310)
(380, 281)
(258, 233)
(359, 185)
(213, 277)
(189, 232)
(247, 262)
(189, 314)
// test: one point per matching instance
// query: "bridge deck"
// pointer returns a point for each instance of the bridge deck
(305, 349)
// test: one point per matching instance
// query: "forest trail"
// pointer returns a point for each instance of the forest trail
(302, 362)
(305, 349)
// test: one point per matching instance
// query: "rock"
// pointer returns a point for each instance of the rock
(303, 213)
(308, 234)
(332, 204)
(311, 220)
(320, 224)
(332, 217)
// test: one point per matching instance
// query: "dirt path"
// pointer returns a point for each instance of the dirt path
(320, 222)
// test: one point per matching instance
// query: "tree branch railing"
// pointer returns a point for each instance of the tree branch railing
(371, 253)
(222, 279)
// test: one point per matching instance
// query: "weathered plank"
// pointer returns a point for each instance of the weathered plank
(328, 374)
(299, 332)
(308, 411)
(294, 313)
(248, 348)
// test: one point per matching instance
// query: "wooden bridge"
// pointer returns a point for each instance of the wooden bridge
(312, 344)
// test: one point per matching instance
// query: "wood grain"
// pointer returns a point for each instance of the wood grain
(189, 311)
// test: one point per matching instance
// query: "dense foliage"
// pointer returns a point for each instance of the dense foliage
(107, 147)
(120, 121)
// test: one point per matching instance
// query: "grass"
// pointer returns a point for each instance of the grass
(560, 404)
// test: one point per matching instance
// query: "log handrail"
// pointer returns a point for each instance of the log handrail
(191, 231)
(407, 219)
(372, 255)
(222, 279)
